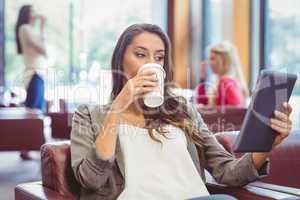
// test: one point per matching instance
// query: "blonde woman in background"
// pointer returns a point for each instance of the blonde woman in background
(231, 88)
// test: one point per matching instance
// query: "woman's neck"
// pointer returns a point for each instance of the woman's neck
(134, 116)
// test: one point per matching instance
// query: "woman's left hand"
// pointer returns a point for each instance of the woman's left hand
(282, 124)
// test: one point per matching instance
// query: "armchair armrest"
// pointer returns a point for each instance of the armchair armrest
(36, 191)
(248, 192)
(278, 188)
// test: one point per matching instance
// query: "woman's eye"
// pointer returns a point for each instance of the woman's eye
(159, 58)
(140, 55)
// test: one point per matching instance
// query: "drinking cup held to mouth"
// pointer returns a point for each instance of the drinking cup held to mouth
(155, 98)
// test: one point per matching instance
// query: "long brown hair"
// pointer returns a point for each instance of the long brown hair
(174, 110)
(23, 18)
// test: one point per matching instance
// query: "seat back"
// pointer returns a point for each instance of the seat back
(223, 118)
(284, 160)
(21, 129)
(61, 124)
(57, 173)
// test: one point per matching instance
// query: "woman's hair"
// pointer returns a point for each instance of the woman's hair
(231, 64)
(174, 109)
(23, 18)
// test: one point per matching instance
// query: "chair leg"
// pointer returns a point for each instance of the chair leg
(25, 155)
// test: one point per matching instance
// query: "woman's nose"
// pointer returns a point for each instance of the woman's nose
(151, 59)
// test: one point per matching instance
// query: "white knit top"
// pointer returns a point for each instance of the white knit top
(158, 171)
(34, 53)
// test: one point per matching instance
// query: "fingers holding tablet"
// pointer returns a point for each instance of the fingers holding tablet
(282, 124)
(288, 108)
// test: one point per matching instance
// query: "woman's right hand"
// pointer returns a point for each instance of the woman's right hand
(203, 70)
(43, 19)
(135, 88)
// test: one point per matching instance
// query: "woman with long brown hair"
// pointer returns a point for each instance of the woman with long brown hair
(127, 150)
(31, 46)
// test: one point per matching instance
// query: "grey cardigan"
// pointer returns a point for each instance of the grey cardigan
(103, 179)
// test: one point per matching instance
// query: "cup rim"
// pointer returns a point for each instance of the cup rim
(155, 65)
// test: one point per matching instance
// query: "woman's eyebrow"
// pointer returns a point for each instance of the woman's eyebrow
(160, 51)
(145, 49)
(140, 47)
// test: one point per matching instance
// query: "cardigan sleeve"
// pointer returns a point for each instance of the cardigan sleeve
(223, 166)
(90, 170)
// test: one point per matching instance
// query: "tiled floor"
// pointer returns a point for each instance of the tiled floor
(13, 170)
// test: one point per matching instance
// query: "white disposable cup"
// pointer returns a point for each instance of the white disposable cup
(155, 98)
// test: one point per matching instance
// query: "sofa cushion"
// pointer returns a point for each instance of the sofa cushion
(223, 118)
(61, 124)
(57, 173)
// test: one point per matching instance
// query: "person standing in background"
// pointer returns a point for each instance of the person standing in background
(231, 88)
(31, 46)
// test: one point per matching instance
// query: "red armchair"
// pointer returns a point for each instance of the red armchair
(284, 173)
(58, 181)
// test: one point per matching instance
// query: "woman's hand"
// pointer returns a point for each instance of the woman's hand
(43, 22)
(43, 18)
(282, 124)
(134, 89)
(203, 70)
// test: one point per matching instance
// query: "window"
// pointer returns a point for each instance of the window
(57, 37)
(282, 43)
(218, 21)
(283, 37)
(81, 35)
(216, 26)
(97, 25)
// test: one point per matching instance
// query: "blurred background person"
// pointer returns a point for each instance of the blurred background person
(31, 46)
(231, 88)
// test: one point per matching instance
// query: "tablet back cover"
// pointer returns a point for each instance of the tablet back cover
(273, 88)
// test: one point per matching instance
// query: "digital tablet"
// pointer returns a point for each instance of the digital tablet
(272, 89)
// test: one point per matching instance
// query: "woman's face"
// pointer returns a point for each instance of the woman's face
(215, 62)
(32, 15)
(144, 48)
